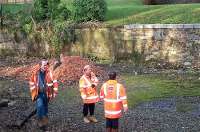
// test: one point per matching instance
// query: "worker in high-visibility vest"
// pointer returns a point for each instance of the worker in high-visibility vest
(88, 89)
(114, 96)
(43, 87)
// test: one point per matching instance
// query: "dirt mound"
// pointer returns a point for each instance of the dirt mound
(69, 71)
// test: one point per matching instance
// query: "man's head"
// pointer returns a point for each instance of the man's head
(112, 75)
(44, 64)
(87, 70)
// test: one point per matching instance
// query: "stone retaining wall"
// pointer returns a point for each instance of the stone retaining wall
(171, 43)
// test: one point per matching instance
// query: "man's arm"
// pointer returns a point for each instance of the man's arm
(55, 85)
(102, 94)
(94, 80)
(123, 97)
(32, 87)
(82, 89)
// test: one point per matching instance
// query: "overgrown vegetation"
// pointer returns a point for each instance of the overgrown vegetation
(51, 22)
(50, 10)
(89, 10)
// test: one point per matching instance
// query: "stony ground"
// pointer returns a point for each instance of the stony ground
(176, 114)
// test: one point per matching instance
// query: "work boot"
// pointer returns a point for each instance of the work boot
(45, 121)
(93, 119)
(114, 130)
(108, 130)
(86, 120)
(43, 128)
(40, 123)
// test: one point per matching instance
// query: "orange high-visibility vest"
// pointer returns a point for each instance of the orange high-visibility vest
(52, 85)
(88, 94)
(114, 96)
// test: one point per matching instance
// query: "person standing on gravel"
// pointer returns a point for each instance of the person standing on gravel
(43, 87)
(114, 96)
(88, 83)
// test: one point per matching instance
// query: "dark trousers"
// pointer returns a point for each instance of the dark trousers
(112, 123)
(88, 107)
(42, 105)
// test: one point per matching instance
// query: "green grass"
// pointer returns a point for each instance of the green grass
(68, 94)
(142, 88)
(122, 12)
(149, 87)
(15, 8)
(185, 107)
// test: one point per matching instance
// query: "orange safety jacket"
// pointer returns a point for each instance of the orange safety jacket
(51, 83)
(88, 94)
(114, 96)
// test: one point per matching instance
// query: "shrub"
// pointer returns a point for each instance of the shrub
(63, 13)
(40, 10)
(89, 10)
(50, 9)
(53, 10)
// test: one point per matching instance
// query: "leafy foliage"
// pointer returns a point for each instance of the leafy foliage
(40, 10)
(50, 18)
(50, 22)
(50, 9)
(89, 10)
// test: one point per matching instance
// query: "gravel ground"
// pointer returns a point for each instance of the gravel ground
(176, 114)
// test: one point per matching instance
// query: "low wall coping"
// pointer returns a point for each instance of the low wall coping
(181, 26)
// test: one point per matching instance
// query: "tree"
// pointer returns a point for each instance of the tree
(53, 10)
(89, 10)
(40, 10)
(50, 10)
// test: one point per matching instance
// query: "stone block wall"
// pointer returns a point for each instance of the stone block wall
(167, 43)
(170, 43)
(9, 45)
(173, 43)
